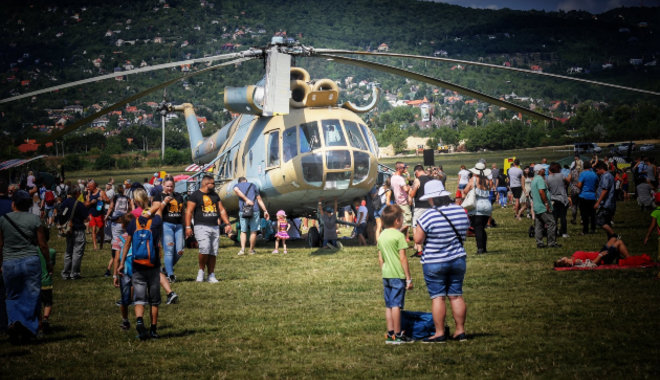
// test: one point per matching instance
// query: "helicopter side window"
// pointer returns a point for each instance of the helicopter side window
(354, 135)
(289, 146)
(361, 163)
(273, 149)
(332, 133)
(371, 139)
(309, 137)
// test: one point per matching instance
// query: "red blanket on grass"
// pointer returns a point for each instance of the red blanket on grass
(643, 261)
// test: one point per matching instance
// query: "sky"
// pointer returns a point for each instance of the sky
(593, 6)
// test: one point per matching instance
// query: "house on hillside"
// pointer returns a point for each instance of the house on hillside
(158, 40)
(75, 108)
(383, 47)
(100, 122)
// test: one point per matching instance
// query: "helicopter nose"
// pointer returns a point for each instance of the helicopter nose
(343, 168)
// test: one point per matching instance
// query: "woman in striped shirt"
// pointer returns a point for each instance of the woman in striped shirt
(441, 230)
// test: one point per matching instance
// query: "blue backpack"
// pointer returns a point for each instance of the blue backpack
(417, 324)
(143, 245)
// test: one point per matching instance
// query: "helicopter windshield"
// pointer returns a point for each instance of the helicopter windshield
(332, 133)
(354, 135)
(309, 137)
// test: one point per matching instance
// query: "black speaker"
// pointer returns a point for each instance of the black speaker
(429, 158)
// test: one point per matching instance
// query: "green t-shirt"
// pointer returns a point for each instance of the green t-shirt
(656, 214)
(16, 247)
(538, 185)
(390, 242)
(47, 279)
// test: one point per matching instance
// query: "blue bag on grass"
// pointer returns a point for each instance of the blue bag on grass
(417, 324)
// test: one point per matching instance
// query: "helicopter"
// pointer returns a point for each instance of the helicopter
(290, 137)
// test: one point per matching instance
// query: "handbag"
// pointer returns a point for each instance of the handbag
(470, 201)
(66, 228)
(247, 211)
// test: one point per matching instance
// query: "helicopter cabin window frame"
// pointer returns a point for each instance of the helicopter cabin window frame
(273, 147)
(333, 133)
(310, 135)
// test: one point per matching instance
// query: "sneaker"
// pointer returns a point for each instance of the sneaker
(275, 251)
(212, 279)
(143, 334)
(45, 326)
(391, 339)
(107, 273)
(460, 337)
(403, 338)
(285, 252)
(171, 278)
(118, 303)
(440, 339)
(565, 236)
(125, 325)
(200, 275)
(241, 252)
(76, 277)
(153, 333)
(340, 245)
(172, 298)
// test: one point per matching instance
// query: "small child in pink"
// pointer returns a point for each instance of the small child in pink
(282, 228)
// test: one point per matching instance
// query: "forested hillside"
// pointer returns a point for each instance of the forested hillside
(51, 42)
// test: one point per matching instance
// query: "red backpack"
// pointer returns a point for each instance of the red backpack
(49, 197)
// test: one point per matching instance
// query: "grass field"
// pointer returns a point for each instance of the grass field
(312, 315)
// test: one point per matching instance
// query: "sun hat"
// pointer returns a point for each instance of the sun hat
(281, 213)
(480, 167)
(433, 189)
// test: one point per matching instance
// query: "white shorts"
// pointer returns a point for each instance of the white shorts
(208, 238)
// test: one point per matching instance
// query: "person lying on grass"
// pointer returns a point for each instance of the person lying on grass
(611, 252)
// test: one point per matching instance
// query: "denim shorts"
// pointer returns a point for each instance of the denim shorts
(361, 229)
(394, 291)
(445, 279)
(146, 287)
(208, 238)
(125, 284)
(250, 224)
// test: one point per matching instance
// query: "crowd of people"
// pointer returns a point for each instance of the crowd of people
(148, 225)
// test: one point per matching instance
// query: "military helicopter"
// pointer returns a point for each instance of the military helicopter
(290, 137)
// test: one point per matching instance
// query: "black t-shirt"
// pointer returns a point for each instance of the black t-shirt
(206, 208)
(173, 211)
(423, 179)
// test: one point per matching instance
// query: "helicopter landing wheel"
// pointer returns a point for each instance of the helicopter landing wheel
(313, 238)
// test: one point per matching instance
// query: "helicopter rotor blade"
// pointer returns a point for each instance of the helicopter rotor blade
(437, 82)
(488, 65)
(129, 99)
(246, 53)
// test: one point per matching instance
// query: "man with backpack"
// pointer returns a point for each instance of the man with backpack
(248, 195)
(120, 205)
(48, 202)
(143, 237)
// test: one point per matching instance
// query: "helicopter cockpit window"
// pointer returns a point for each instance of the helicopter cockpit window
(273, 149)
(312, 167)
(332, 133)
(371, 139)
(338, 159)
(309, 137)
(354, 135)
(289, 146)
(361, 164)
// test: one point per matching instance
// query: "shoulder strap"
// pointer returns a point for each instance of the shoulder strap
(460, 239)
(20, 231)
(73, 210)
(248, 190)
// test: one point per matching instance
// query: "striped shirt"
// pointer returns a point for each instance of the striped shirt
(441, 243)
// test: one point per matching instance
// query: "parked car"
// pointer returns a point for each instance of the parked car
(646, 148)
(587, 148)
(623, 147)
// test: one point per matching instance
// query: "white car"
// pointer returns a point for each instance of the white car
(646, 148)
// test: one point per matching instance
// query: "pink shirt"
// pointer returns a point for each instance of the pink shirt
(400, 195)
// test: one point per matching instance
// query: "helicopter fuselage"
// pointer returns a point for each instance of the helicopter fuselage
(295, 160)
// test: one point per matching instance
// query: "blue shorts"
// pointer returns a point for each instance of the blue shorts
(250, 224)
(394, 291)
(361, 229)
(445, 279)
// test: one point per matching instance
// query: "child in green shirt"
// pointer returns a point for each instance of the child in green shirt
(46, 290)
(392, 247)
